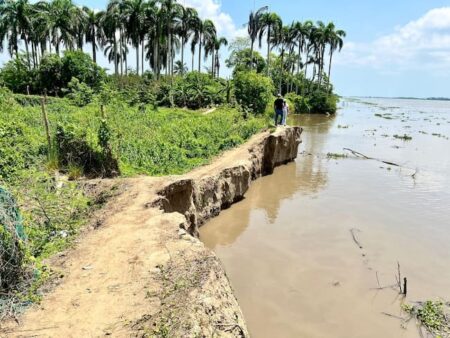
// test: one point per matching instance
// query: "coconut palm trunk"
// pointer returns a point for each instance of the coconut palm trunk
(142, 56)
(94, 49)
(200, 55)
(268, 51)
(137, 57)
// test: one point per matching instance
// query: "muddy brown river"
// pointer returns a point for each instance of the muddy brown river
(288, 248)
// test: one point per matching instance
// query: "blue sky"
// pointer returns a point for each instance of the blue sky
(393, 48)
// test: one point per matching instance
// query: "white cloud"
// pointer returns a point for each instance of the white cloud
(211, 9)
(420, 44)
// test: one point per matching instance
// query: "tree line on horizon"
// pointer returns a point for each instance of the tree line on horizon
(159, 31)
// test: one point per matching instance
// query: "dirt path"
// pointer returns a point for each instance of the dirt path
(209, 111)
(140, 272)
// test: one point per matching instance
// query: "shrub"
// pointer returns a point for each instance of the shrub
(241, 60)
(49, 77)
(74, 150)
(33, 100)
(54, 73)
(80, 65)
(16, 150)
(299, 103)
(197, 90)
(80, 94)
(322, 102)
(16, 76)
(253, 91)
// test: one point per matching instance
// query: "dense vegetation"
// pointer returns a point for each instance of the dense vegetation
(145, 119)
(87, 142)
(299, 55)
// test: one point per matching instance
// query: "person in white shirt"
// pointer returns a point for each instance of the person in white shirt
(285, 112)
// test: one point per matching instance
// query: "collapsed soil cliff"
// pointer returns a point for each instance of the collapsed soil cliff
(144, 272)
(204, 194)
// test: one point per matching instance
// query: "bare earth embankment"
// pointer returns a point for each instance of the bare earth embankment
(144, 272)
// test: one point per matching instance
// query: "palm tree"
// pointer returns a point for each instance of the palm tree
(186, 27)
(203, 33)
(94, 30)
(269, 23)
(254, 26)
(180, 68)
(112, 23)
(134, 16)
(15, 25)
(196, 27)
(308, 28)
(115, 53)
(171, 12)
(285, 39)
(336, 42)
(63, 20)
(218, 43)
(209, 43)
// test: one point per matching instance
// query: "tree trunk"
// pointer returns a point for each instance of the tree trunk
(306, 60)
(193, 57)
(116, 64)
(137, 57)
(27, 51)
(182, 55)
(94, 51)
(212, 63)
(251, 52)
(200, 55)
(268, 51)
(329, 68)
(142, 55)
(121, 49)
(217, 65)
(155, 59)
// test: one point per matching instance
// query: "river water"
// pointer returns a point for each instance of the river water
(288, 248)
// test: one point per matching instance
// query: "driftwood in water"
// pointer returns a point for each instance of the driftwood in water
(352, 231)
(358, 154)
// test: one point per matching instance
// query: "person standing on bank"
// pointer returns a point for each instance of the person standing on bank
(278, 106)
(285, 112)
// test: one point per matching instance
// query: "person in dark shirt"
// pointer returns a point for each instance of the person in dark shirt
(278, 106)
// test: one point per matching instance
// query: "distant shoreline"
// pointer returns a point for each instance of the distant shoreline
(403, 98)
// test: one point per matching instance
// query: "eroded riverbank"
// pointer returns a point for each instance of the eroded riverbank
(142, 272)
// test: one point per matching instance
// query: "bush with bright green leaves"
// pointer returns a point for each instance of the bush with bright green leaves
(16, 76)
(299, 104)
(80, 94)
(198, 90)
(253, 91)
(53, 74)
(75, 148)
(322, 102)
(246, 60)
